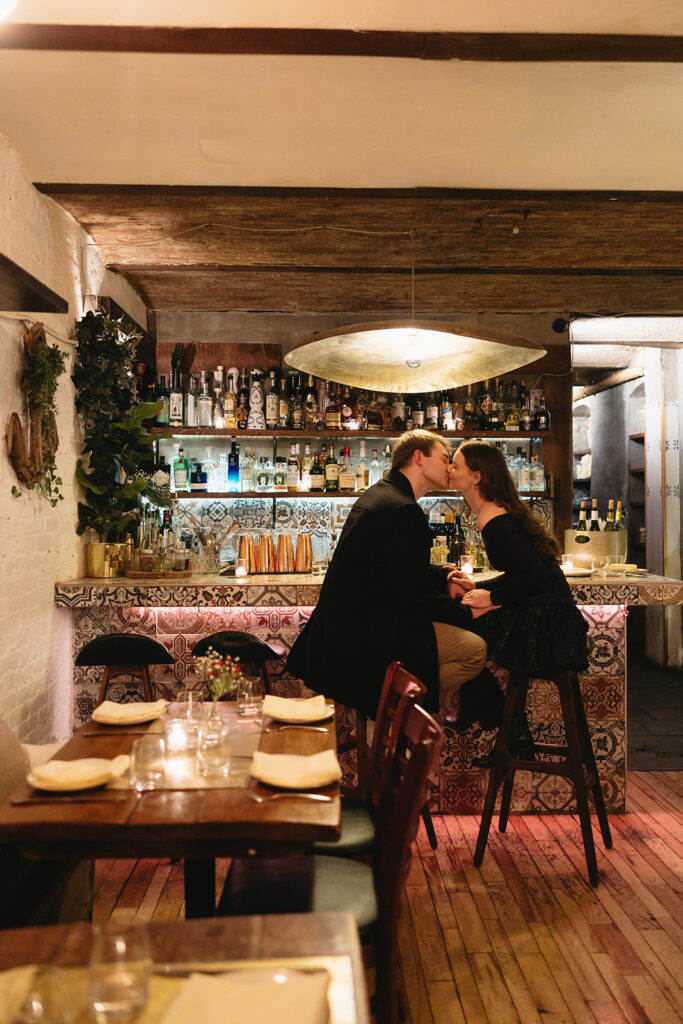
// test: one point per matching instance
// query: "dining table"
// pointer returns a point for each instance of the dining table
(240, 817)
(304, 942)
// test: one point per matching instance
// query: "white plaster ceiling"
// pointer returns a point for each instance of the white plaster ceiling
(245, 120)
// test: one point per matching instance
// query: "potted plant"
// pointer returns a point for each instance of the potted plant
(116, 442)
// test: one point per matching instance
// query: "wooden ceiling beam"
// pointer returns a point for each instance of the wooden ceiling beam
(467, 46)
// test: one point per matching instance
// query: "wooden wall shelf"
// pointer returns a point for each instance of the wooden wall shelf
(322, 435)
(325, 495)
(23, 293)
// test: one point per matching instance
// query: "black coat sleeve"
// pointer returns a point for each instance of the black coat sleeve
(510, 549)
(423, 592)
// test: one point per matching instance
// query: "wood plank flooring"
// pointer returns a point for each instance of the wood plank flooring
(525, 939)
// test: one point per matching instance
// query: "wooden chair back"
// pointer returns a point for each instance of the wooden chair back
(417, 750)
(400, 691)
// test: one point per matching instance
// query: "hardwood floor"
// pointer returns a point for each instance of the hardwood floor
(525, 938)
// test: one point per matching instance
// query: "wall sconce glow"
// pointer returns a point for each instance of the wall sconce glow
(628, 330)
(412, 356)
(6, 7)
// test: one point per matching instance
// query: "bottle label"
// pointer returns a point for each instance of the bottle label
(332, 472)
(317, 480)
(175, 408)
(332, 420)
(347, 481)
(180, 478)
(190, 410)
(293, 478)
(419, 417)
(272, 409)
(162, 415)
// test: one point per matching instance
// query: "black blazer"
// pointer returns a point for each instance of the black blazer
(377, 603)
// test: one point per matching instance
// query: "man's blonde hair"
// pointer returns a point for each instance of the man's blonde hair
(414, 441)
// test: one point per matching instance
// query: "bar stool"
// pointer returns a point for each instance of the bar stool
(253, 652)
(125, 653)
(578, 765)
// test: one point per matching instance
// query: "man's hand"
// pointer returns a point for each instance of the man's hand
(478, 612)
(461, 580)
(456, 589)
(480, 599)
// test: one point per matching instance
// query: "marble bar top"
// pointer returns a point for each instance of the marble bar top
(297, 589)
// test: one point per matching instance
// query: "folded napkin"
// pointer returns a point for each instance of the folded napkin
(294, 771)
(82, 773)
(252, 997)
(284, 709)
(111, 713)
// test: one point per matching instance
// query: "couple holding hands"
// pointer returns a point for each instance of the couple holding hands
(382, 601)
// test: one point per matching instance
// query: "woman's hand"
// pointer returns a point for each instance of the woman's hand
(479, 599)
(461, 580)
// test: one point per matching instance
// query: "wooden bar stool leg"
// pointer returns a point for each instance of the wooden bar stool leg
(146, 683)
(429, 826)
(521, 687)
(589, 761)
(575, 771)
(105, 684)
(499, 769)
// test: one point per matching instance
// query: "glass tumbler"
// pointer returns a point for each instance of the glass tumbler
(148, 762)
(213, 748)
(47, 999)
(249, 696)
(118, 973)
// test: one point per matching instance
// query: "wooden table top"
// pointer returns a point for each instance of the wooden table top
(233, 938)
(191, 823)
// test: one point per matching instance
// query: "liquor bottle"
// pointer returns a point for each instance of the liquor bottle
(619, 523)
(485, 400)
(162, 396)
(271, 401)
(256, 419)
(493, 421)
(175, 401)
(317, 475)
(248, 471)
(526, 420)
(361, 411)
(190, 403)
(204, 403)
(296, 410)
(280, 474)
(234, 468)
(386, 465)
(181, 472)
(230, 404)
(385, 410)
(432, 412)
(310, 405)
(347, 419)
(243, 400)
(362, 473)
(512, 465)
(332, 412)
(292, 470)
(536, 473)
(347, 474)
(511, 405)
(470, 416)
(410, 423)
(419, 414)
(198, 478)
(542, 417)
(374, 413)
(610, 525)
(524, 480)
(446, 410)
(398, 412)
(594, 525)
(582, 526)
(264, 476)
(375, 471)
(283, 414)
(219, 483)
(306, 468)
(162, 471)
(210, 467)
(331, 472)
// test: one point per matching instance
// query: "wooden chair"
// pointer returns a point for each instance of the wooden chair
(254, 653)
(400, 691)
(125, 653)
(578, 765)
(372, 893)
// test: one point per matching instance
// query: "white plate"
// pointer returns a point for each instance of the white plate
(577, 572)
(291, 720)
(101, 771)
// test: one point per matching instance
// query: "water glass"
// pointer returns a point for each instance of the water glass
(118, 974)
(187, 704)
(249, 696)
(46, 1000)
(615, 565)
(213, 748)
(148, 762)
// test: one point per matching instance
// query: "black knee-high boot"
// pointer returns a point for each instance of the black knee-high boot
(480, 700)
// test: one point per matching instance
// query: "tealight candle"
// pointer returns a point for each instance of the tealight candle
(241, 567)
(176, 737)
(467, 566)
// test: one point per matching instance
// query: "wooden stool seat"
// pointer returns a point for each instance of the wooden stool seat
(578, 765)
(125, 653)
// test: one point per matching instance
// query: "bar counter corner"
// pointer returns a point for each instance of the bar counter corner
(276, 607)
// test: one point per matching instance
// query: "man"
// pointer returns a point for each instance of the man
(382, 601)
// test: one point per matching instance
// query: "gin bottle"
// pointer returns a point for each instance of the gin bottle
(204, 403)
(181, 471)
(234, 468)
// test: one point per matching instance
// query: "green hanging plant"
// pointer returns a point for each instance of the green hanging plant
(116, 443)
(36, 465)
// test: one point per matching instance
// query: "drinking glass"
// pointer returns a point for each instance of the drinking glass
(250, 696)
(118, 974)
(148, 762)
(615, 565)
(213, 748)
(46, 1000)
(188, 704)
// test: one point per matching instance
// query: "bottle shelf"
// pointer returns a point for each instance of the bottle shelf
(323, 435)
(638, 438)
(637, 470)
(579, 480)
(232, 495)
(580, 453)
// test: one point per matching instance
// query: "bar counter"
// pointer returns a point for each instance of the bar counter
(180, 612)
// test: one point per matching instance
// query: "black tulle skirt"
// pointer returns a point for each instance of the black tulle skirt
(538, 637)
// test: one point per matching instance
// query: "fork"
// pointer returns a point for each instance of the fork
(295, 728)
(288, 794)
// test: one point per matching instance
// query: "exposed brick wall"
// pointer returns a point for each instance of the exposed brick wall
(38, 543)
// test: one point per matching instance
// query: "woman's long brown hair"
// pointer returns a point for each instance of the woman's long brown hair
(496, 485)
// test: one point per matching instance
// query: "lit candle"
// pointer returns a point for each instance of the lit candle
(176, 737)
(467, 567)
(241, 567)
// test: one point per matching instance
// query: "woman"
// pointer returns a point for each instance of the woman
(530, 622)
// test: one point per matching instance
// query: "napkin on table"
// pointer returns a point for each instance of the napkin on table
(287, 710)
(111, 713)
(84, 771)
(295, 771)
(252, 997)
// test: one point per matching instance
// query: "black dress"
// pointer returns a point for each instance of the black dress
(538, 631)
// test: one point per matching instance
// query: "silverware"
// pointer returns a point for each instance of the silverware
(115, 731)
(121, 795)
(288, 795)
(296, 728)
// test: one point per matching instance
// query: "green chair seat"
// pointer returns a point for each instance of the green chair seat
(357, 831)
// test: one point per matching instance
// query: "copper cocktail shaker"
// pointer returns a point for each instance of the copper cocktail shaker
(304, 553)
(285, 553)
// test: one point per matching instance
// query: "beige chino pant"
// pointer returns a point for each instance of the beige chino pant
(462, 655)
